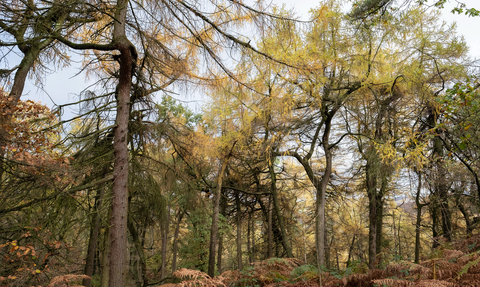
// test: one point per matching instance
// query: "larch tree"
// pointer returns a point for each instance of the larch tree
(152, 44)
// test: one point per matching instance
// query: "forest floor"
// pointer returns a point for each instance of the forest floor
(454, 264)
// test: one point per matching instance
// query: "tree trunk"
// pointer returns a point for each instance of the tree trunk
(419, 218)
(466, 216)
(106, 256)
(253, 240)
(434, 215)
(175, 240)
(223, 211)
(371, 179)
(118, 222)
(249, 231)
(379, 224)
(92, 242)
(142, 278)
(440, 180)
(285, 243)
(214, 229)
(239, 231)
(350, 251)
(164, 244)
(270, 228)
(321, 198)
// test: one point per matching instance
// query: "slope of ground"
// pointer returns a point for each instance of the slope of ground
(455, 264)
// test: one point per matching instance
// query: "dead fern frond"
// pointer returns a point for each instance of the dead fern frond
(451, 254)
(467, 267)
(467, 258)
(393, 282)
(468, 245)
(195, 278)
(435, 283)
(190, 274)
(63, 280)
(469, 280)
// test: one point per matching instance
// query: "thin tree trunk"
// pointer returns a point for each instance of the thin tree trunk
(142, 281)
(175, 240)
(164, 244)
(434, 215)
(223, 211)
(92, 244)
(270, 228)
(285, 243)
(350, 251)
(249, 231)
(466, 216)
(379, 223)
(371, 179)
(106, 256)
(214, 229)
(419, 218)
(239, 231)
(253, 240)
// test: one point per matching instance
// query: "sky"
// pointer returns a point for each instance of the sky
(63, 87)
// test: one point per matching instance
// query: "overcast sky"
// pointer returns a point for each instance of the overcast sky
(62, 87)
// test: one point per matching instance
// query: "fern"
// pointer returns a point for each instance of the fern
(467, 266)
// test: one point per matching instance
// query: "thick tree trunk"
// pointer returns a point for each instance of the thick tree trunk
(214, 229)
(321, 198)
(175, 240)
(239, 231)
(276, 205)
(118, 222)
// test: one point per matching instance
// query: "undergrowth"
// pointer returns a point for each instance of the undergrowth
(455, 264)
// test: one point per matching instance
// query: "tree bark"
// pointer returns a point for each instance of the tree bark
(106, 256)
(239, 231)
(252, 246)
(321, 198)
(118, 222)
(371, 179)
(249, 237)
(285, 242)
(270, 228)
(223, 211)
(142, 278)
(92, 242)
(350, 251)
(419, 218)
(175, 240)
(164, 244)
(214, 229)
